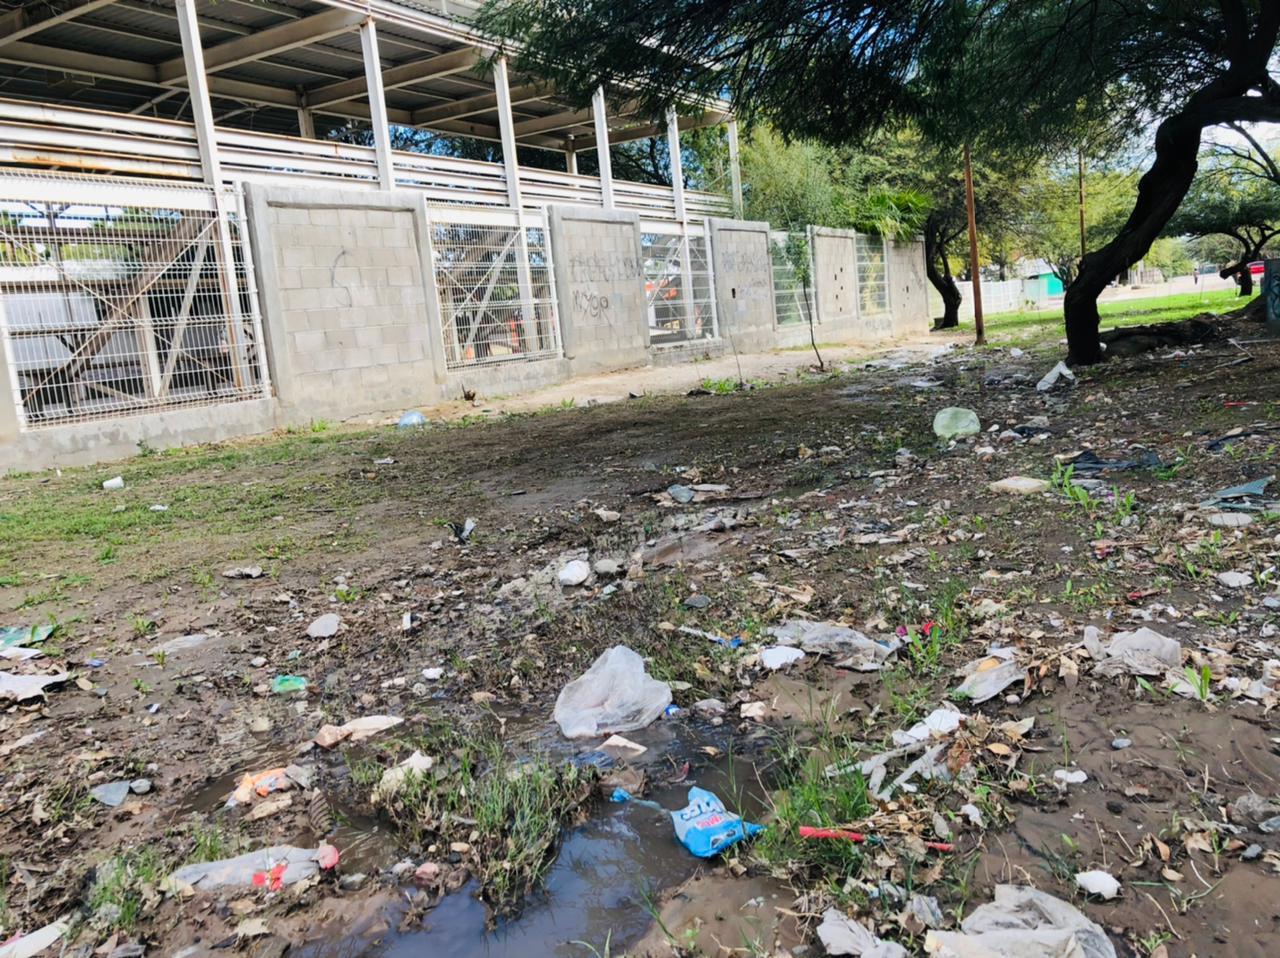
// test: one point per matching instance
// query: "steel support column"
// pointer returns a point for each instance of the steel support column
(602, 147)
(677, 193)
(207, 141)
(377, 104)
(735, 168)
(511, 167)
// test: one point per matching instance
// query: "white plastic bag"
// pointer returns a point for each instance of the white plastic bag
(614, 695)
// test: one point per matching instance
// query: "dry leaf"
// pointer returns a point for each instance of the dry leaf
(1171, 875)
(995, 748)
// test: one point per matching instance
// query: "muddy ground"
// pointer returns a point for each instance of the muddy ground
(838, 504)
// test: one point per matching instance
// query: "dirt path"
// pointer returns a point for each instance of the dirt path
(823, 498)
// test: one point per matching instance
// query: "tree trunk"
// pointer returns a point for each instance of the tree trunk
(935, 249)
(1240, 270)
(1160, 192)
(1246, 280)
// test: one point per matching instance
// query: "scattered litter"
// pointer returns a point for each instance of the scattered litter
(706, 828)
(987, 677)
(394, 777)
(28, 946)
(181, 643)
(810, 833)
(941, 721)
(433, 674)
(1088, 463)
(1120, 744)
(384, 461)
(1051, 378)
(111, 794)
(1141, 652)
(828, 638)
(841, 935)
(1099, 883)
(615, 695)
(462, 533)
(411, 420)
(243, 572)
(1022, 922)
(357, 730)
(974, 814)
(158, 507)
(607, 515)
(114, 483)
(20, 688)
(261, 784)
(1019, 486)
(271, 806)
(16, 635)
(23, 742)
(575, 573)
(410, 622)
(325, 627)
(273, 868)
(956, 421)
(283, 684)
(1249, 496)
(1073, 776)
(779, 657)
(625, 746)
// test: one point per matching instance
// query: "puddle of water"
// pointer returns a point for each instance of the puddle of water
(609, 870)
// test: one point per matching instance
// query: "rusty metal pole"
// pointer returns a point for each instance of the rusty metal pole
(1080, 174)
(973, 249)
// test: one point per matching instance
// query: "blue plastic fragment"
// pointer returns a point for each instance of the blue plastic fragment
(411, 420)
(706, 828)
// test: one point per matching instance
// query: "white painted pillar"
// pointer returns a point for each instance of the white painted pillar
(511, 168)
(207, 142)
(571, 161)
(602, 147)
(677, 193)
(735, 168)
(377, 104)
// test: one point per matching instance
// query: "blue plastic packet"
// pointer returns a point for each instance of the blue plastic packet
(706, 827)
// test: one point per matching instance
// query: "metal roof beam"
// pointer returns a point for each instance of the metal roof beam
(264, 43)
(627, 134)
(480, 104)
(72, 61)
(21, 22)
(403, 74)
(563, 121)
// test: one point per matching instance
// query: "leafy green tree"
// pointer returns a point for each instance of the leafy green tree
(1229, 201)
(1012, 75)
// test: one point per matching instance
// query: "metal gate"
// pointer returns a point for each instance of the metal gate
(122, 297)
(679, 284)
(792, 276)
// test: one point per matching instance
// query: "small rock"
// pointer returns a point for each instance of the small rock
(1271, 826)
(258, 661)
(709, 707)
(433, 674)
(111, 794)
(460, 848)
(1075, 776)
(1250, 853)
(1230, 520)
(698, 601)
(1121, 743)
(1235, 580)
(243, 572)
(607, 567)
(353, 882)
(140, 786)
(607, 515)
(325, 627)
(1019, 486)
(260, 724)
(680, 493)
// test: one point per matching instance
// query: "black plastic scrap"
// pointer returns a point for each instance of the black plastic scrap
(1249, 497)
(1088, 463)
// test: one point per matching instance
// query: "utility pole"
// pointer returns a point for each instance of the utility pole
(973, 248)
(1080, 174)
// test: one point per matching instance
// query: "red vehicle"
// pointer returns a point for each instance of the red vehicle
(1257, 268)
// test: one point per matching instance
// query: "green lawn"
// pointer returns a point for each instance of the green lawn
(1031, 326)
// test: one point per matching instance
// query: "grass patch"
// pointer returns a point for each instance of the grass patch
(510, 812)
(124, 886)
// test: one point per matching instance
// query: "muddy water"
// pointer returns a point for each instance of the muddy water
(610, 871)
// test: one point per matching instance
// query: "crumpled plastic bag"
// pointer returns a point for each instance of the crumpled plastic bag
(614, 695)
(1022, 922)
(956, 421)
(1141, 652)
(706, 827)
(827, 638)
(271, 868)
(987, 677)
(841, 935)
(1050, 379)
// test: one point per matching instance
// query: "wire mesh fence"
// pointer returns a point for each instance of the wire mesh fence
(497, 294)
(792, 272)
(873, 279)
(679, 287)
(139, 302)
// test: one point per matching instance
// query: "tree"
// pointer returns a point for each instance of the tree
(1014, 75)
(1230, 202)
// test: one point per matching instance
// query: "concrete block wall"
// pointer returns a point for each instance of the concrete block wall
(743, 272)
(599, 271)
(346, 282)
(908, 289)
(835, 277)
